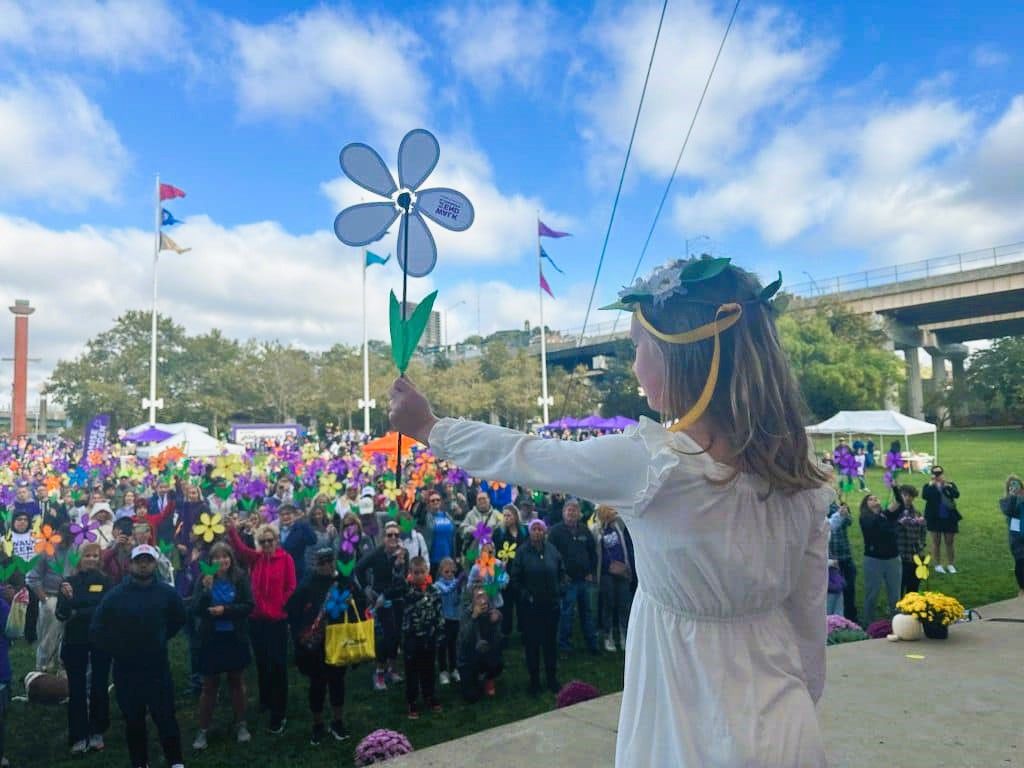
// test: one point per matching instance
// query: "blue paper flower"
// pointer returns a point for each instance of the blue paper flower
(336, 603)
(365, 223)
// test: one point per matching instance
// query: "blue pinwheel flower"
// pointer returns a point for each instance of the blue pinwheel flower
(365, 223)
(336, 603)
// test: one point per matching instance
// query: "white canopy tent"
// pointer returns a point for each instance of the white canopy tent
(881, 423)
(195, 440)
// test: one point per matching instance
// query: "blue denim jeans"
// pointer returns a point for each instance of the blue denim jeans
(577, 594)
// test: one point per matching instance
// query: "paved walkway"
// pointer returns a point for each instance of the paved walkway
(959, 706)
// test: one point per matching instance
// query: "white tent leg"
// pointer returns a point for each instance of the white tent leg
(935, 447)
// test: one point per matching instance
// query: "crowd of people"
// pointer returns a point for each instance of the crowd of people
(106, 557)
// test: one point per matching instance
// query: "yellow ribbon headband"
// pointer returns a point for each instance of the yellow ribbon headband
(732, 313)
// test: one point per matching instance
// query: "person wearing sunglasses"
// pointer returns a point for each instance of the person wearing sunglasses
(381, 577)
(272, 573)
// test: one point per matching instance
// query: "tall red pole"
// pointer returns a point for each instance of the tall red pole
(19, 400)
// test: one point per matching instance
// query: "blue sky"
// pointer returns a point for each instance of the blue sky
(833, 139)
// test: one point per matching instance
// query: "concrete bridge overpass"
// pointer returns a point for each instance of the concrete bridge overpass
(935, 304)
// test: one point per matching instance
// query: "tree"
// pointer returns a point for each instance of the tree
(619, 389)
(838, 359)
(995, 380)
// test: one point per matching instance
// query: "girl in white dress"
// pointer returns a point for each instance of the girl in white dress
(725, 655)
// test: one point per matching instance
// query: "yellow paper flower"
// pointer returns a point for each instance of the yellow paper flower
(330, 485)
(227, 467)
(7, 544)
(507, 552)
(922, 566)
(309, 452)
(131, 469)
(208, 527)
(390, 490)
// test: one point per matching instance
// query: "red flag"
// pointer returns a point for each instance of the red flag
(545, 231)
(545, 286)
(167, 192)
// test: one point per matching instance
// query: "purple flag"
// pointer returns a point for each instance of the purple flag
(95, 437)
(545, 231)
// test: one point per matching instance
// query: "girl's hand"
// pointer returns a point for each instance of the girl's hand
(65, 589)
(410, 412)
(207, 581)
(216, 610)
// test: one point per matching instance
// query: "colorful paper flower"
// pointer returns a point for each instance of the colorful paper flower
(485, 563)
(350, 539)
(336, 603)
(227, 467)
(482, 533)
(921, 571)
(47, 540)
(208, 527)
(507, 552)
(84, 530)
(330, 485)
(52, 484)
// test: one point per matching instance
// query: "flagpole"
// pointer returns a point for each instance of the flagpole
(543, 334)
(151, 401)
(366, 360)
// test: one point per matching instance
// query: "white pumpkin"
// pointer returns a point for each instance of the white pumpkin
(907, 627)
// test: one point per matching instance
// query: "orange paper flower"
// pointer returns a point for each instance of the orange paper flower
(95, 458)
(47, 540)
(52, 484)
(486, 564)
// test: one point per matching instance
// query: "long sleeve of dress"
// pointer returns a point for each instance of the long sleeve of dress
(805, 608)
(610, 470)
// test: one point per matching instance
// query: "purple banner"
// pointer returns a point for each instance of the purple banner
(95, 437)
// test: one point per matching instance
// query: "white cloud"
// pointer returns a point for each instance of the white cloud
(492, 44)
(115, 32)
(505, 225)
(301, 63)
(57, 145)
(763, 66)
(988, 56)
(251, 281)
(900, 181)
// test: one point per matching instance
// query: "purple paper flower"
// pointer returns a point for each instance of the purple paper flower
(456, 476)
(84, 531)
(196, 467)
(7, 495)
(349, 539)
(482, 533)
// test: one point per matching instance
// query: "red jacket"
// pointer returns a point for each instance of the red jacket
(273, 578)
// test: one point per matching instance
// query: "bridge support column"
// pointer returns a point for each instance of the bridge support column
(915, 393)
(939, 381)
(959, 415)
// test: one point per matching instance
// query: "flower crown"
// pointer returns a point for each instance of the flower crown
(677, 278)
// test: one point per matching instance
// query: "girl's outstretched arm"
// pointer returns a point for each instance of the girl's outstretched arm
(610, 470)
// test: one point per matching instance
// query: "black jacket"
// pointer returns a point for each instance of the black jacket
(422, 618)
(880, 534)
(479, 639)
(88, 588)
(578, 549)
(538, 574)
(134, 623)
(933, 495)
(237, 611)
(376, 574)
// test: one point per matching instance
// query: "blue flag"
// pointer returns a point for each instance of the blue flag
(168, 218)
(372, 258)
(544, 254)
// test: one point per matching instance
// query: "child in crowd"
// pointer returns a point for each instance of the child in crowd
(480, 659)
(911, 536)
(422, 629)
(861, 458)
(839, 552)
(450, 588)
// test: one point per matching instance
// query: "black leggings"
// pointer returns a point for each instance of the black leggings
(325, 679)
(1018, 571)
(447, 649)
(910, 582)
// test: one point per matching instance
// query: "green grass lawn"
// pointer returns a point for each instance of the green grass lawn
(977, 460)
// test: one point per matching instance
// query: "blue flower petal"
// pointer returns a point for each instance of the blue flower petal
(364, 223)
(422, 250)
(447, 207)
(364, 166)
(417, 157)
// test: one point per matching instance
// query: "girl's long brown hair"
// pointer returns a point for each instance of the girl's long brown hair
(757, 408)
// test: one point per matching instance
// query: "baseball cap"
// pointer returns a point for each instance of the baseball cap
(145, 549)
(102, 506)
(369, 490)
(325, 555)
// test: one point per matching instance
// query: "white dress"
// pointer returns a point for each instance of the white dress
(725, 654)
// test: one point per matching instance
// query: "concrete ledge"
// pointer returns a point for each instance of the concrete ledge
(959, 707)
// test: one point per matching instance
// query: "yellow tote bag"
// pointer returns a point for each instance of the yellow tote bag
(349, 642)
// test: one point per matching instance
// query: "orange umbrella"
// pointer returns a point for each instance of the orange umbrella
(388, 445)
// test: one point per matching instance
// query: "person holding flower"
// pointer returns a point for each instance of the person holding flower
(881, 554)
(911, 536)
(381, 575)
(323, 529)
(841, 553)
(222, 603)
(310, 608)
(508, 537)
(480, 644)
(1012, 506)
(88, 702)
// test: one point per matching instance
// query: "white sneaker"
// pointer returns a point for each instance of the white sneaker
(950, 568)
(244, 737)
(609, 644)
(445, 679)
(200, 741)
(456, 677)
(79, 747)
(939, 568)
(96, 742)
